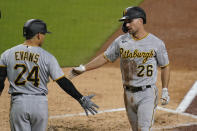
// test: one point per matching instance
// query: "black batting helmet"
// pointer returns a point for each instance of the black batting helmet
(132, 13)
(34, 26)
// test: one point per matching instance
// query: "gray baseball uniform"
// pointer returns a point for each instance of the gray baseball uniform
(138, 62)
(28, 70)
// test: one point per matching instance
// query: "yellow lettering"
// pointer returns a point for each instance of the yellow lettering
(26, 56)
(130, 55)
(36, 58)
(145, 59)
(21, 54)
(136, 54)
(31, 55)
(128, 52)
(121, 51)
(16, 56)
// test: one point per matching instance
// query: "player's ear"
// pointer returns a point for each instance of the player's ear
(38, 36)
(141, 20)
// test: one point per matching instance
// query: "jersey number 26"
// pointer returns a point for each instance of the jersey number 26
(148, 69)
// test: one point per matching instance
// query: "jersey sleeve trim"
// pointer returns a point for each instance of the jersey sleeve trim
(106, 58)
(3, 66)
(164, 65)
(59, 78)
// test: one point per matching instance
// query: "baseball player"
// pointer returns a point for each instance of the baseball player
(28, 68)
(140, 54)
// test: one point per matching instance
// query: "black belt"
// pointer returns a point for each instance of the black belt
(136, 89)
(17, 94)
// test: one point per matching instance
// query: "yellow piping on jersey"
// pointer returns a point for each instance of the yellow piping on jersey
(59, 78)
(106, 58)
(136, 39)
(165, 65)
(3, 66)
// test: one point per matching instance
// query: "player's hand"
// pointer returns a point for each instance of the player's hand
(76, 71)
(88, 105)
(165, 98)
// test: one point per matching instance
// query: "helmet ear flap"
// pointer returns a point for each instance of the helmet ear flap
(124, 28)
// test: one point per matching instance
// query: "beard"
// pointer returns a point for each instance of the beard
(132, 32)
(40, 44)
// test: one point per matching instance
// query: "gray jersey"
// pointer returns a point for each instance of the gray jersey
(138, 58)
(29, 68)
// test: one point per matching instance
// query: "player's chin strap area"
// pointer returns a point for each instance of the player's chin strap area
(3, 75)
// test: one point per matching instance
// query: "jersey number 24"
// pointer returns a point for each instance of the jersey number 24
(32, 75)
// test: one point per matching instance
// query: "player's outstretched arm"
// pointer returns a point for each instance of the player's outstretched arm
(3, 75)
(85, 101)
(93, 64)
(165, 77)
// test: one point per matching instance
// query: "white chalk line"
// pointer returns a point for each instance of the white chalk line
(122, 109)
(191, 94)
(83, 114)
(175, 126)
(180, 110)
(176, 112)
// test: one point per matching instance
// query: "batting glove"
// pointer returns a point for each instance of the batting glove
(88, 105)
(165, 98)
(76, 71)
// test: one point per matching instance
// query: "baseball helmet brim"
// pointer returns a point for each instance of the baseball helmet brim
(48, 32)
(124, 18)
(132, 13)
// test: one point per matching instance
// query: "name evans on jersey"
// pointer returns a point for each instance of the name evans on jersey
(27, 56)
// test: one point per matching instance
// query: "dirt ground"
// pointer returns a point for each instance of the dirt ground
(109, 95)
(174, 21)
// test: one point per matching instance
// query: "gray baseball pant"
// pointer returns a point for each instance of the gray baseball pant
(28, 113)
(140, 107)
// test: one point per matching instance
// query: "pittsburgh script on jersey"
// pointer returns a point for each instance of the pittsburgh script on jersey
(136, 54)
(27, 56)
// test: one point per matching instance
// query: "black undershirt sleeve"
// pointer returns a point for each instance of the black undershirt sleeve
(69, 88)
(3, 75)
